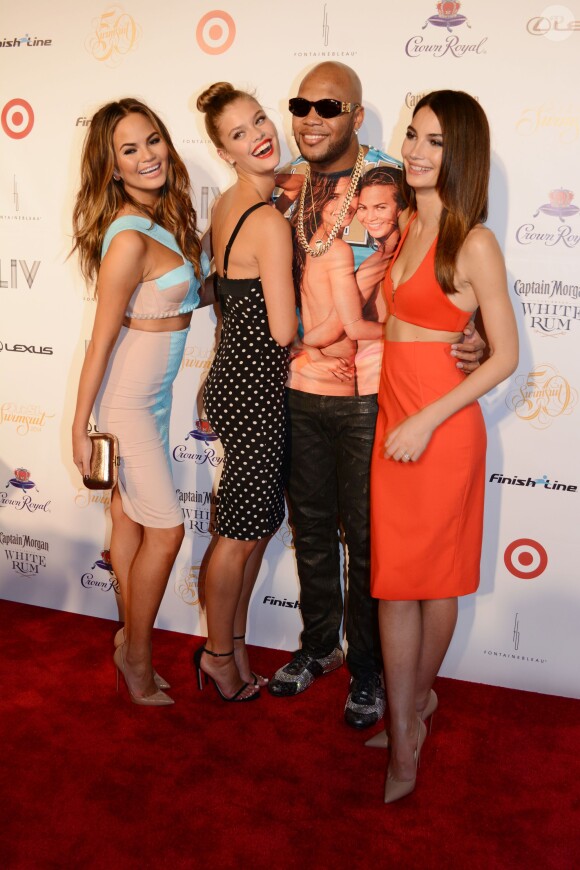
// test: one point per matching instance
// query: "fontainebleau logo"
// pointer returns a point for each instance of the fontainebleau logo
(22, 483)
(17, 549)
(104, 580)
(187, 585)
(548, 319)
(17, 118)
(114, 34)
(198, 509)
(27, 272)
(321, 48)
(16, 211)
(24, 418)
(215, 32)
(25, 41)
(558, 208)
(516, 632)
(541, 396)
(525, 558)
(555, 23)
(449, 22)
(533, 482)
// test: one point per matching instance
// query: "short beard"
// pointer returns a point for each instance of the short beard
(334, 151)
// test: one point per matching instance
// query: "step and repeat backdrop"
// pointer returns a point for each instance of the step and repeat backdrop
(61, 61)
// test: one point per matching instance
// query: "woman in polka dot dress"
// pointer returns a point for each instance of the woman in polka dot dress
(244, 392)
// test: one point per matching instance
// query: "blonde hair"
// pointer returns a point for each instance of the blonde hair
(100, 197)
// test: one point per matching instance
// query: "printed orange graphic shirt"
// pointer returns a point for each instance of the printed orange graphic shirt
(343, 287)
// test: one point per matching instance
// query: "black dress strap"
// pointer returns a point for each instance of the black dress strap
(237, 228)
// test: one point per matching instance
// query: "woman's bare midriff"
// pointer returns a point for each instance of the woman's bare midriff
(159, 324)
(400, 330)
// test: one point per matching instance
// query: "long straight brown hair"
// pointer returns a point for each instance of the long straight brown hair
(463, 180)
(100, 197)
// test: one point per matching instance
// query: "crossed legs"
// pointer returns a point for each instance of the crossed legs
(415, 636)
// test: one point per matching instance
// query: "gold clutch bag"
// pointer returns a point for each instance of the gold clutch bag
(104, 461)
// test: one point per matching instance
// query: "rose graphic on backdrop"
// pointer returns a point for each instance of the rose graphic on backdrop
(559, 205)
(447, 16)
(21, 479)
(202, 432)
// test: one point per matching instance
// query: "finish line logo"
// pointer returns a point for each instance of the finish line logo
(281, 602)
(533, 482)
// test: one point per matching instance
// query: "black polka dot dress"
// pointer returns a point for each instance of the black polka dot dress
(244, 402)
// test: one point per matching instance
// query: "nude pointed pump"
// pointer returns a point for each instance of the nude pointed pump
(395, 789)
(157, 699)
(157, 678)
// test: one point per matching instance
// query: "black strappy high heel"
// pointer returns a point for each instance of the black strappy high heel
(258, 679)
(197, 662)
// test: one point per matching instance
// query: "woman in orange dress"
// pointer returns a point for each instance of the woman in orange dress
(428, 466)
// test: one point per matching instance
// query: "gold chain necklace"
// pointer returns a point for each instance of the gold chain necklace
(322, 247)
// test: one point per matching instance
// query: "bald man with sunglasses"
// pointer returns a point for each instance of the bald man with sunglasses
(332, 393)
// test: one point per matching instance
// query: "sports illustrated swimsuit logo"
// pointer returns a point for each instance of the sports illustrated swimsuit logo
(22, 483)
(187, 585)
(114, 35)
(541, 396)
(563, 121)
(197, 358)
(539, 482)
(103, 581)
(215, 32)
(558, 207)
(25, 418)
(21, 561)
(447, 19)
(284, 535)
(17, 118)
(548, 319)
(555, 23)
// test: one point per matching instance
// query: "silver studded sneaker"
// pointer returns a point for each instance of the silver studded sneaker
(297, 675)
(366, 701)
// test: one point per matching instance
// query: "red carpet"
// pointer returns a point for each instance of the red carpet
(90, 780)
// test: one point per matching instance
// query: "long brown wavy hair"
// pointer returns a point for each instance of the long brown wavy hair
(100, 197)
(463, 179)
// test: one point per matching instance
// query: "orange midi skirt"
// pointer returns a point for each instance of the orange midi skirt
(426, 516)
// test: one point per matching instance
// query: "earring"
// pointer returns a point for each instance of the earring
(116, 177)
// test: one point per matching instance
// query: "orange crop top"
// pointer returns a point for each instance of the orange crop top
(420, 299)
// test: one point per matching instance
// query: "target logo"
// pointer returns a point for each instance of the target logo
(215, 32)
(17, 119)
(525, 559)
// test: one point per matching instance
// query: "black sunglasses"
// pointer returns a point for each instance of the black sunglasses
(326, 108)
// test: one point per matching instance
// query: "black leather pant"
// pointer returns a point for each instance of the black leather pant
(328, 489)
